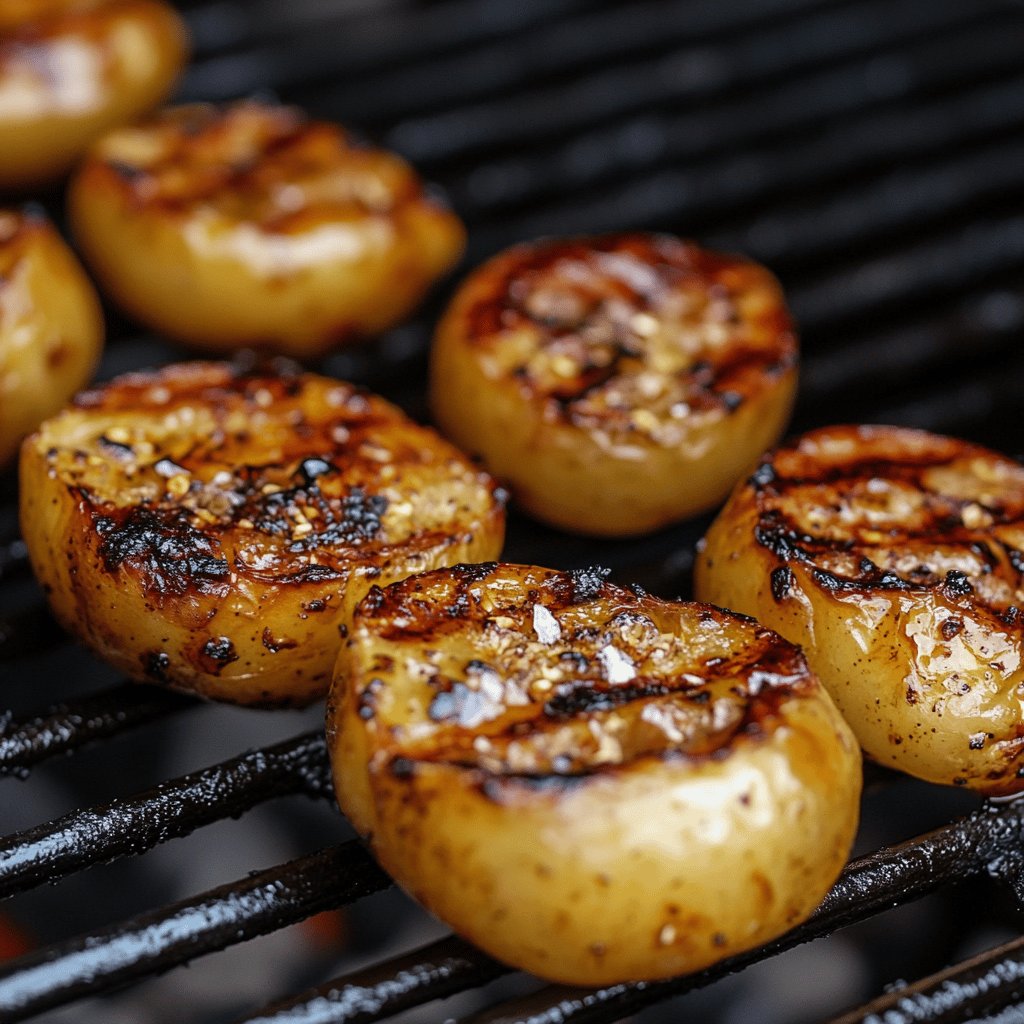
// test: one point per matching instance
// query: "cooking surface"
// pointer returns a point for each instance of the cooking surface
(868, 152)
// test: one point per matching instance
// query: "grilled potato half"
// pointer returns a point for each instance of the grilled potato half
(76, 72)
(51, 326)
(894, 558)
(589, 783)
(212, 529)
(283, 233)
(618, 383)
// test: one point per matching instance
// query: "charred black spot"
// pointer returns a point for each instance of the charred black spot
(403, 768)
(469, 572)
(115, 448)
(367, 705)
(951, 627)
(317, 605)
(220, 649)
(170, 555)
(732, 400)
(957, 584)
(883, 581)
(587, 583)
(588, 696)
(1011, 615)
(155, 665)
(374, 600)
(781, 582)
(274, 645)
(1015, 557)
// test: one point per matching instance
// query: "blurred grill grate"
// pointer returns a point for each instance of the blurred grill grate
(868, 150)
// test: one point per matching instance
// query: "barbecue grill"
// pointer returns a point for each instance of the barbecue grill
(871, 153)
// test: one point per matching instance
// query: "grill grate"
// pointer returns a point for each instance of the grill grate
(868, 150)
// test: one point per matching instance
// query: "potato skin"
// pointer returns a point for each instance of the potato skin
(51, 326)
(617, 383)
(893, 557)
(76, 73)
(284, 233)
(570, 819)
(212, 529)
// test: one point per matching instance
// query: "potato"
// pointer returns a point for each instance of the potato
(589, 783)
(51, 326)
(212, 529)
(79, 71)
(619, 383)
(283, 233)
(894, 558)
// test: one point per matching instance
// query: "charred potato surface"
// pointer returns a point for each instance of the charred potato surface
(51, 326)
(212, 530)
(589, 783)
(894, 558)
(282, 232)
(78, 71)
(618, 383)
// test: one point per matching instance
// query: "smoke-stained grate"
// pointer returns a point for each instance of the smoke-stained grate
(869, 151)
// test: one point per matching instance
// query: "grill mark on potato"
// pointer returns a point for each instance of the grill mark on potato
(945, 526)
(169, 555)
(769, 671)
(593, 309)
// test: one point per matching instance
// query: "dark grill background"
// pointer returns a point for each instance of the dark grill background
(870, 152)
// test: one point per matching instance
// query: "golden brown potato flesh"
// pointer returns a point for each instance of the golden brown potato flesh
(618, 383)
(283, 232)
(894, 558)
(589, 783)
(77, 72)
(51, 326)
(212, 529)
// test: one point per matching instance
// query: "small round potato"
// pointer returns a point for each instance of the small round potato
(894, 558)
(51, 326)
(212, 529)
(589, 783)
(618, 384)
(250, 226)
(78, 71)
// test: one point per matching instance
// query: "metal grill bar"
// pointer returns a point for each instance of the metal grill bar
(685, 75)
(174, 808)
(433, 972)
(862, 88)
(154, 942)
(71, 725)
(980, 985)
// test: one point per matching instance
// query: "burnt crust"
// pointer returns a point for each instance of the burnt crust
(594, 309)
(247, 157)
(578, 689)
(185, 510)
(886, 519)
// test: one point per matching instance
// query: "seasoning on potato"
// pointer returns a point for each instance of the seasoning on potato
(251, 226)
(587, 782)
(894, 558)
(70, 71)
(212, 529)
(617, 383)
(51, 326)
